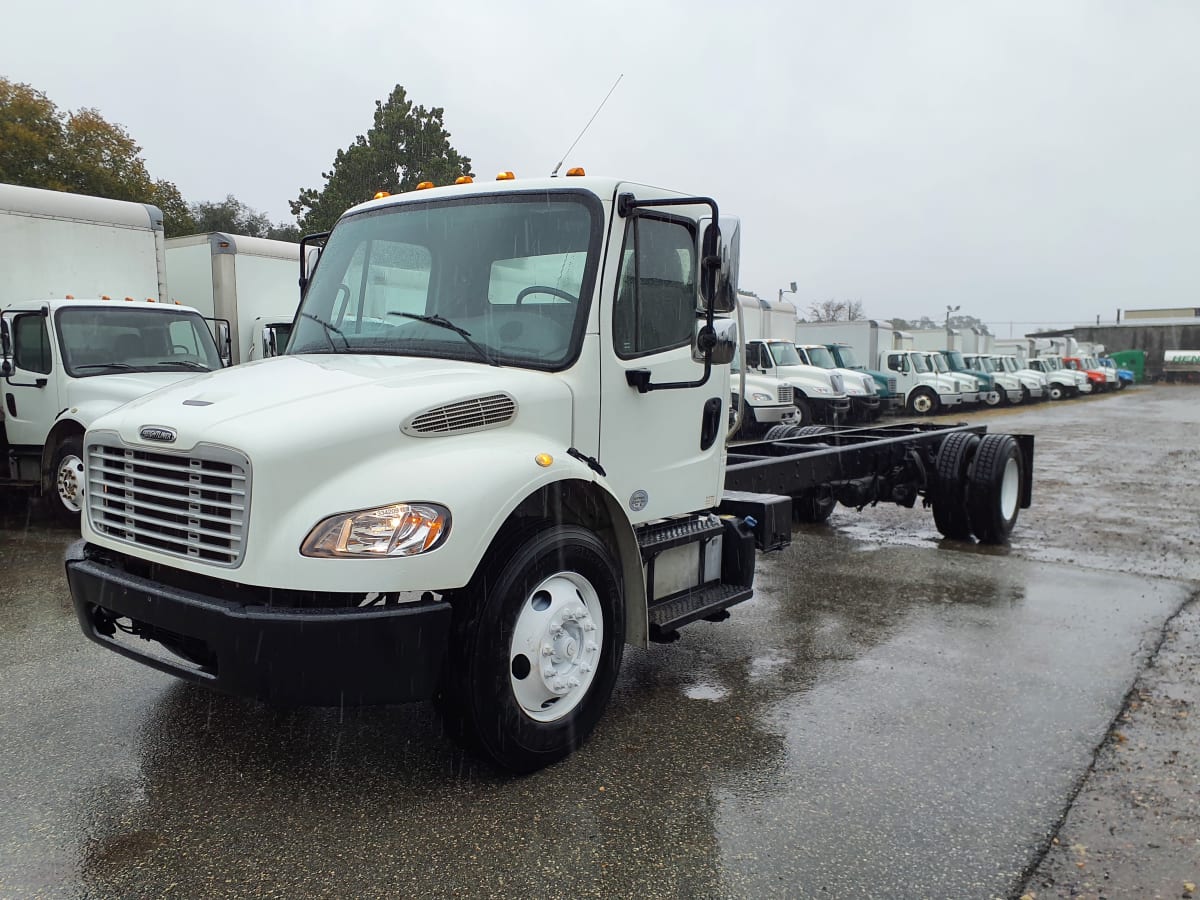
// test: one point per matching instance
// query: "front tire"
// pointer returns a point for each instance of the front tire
(1056, 391)
(804, 413)
(65, 499)
(923, 402)
(535, 648)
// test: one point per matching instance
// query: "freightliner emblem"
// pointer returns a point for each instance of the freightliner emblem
(157, 433)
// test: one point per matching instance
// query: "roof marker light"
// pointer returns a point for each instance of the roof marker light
(577, 170)
(464, 179)
(505, 176)
(68, 297)
(379, 195)
(105, 297)
(128, 299)
(424, 185)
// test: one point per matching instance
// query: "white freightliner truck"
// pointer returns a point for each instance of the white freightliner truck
(860, 387)
(247, 282)
(493, 453)
(63, 362)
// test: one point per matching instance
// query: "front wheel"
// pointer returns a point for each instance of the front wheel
(1056, 391)
(923, 402)
(536, 644)
(66, 494)
(804, 415)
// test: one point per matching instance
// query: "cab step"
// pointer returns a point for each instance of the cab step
(708, 601)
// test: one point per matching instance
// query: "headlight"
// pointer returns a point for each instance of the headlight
(403, 529)
(762, 398)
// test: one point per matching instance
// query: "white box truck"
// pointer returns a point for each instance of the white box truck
(250, 283)
(83, 329)
(480, 488)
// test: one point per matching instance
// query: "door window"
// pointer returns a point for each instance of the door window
(31, 344)
(655, 308)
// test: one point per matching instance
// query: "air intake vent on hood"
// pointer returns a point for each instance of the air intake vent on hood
(475, 414)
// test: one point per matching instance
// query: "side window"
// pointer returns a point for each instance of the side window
(656, 290)
(31, 344)
(896, 362)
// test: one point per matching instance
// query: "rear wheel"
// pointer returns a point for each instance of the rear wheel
(994, 488)
(536, 644)
(779, 432)
(66, 495)
(949, 494)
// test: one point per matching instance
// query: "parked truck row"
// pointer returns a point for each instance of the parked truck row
(495, 450)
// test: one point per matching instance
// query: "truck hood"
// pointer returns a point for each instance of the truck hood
(111, 391)
(326, 400)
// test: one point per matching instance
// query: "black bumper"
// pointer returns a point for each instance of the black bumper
(318, 657)
(831, 412)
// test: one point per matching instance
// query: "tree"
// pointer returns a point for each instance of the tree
(406, 145)
(234, 217)
(80, 152)
(835, 311)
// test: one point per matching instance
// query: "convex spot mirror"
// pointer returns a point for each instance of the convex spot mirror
(718, 344)
(720, 251)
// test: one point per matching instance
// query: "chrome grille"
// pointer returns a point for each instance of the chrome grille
(891, 385)
(474, 414)
(192, 505)
(785, 393)
(839, 385)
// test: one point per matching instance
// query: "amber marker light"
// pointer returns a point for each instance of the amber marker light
(128, 299)
(545, 460)
(424, 185)
(577, 171)
(379, 195)
(464, 179)
(68, 297)
(505, 176)
(105, 297)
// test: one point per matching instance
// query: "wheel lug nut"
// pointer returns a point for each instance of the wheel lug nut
(547, 650)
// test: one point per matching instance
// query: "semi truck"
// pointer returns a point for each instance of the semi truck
(247, 284)
(83, 329)
(482, 491)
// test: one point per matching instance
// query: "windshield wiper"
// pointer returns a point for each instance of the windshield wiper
(185, 363)
(329, 327)
(111, 365)
(442, 322)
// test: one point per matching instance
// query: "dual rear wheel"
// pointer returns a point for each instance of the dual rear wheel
(976, 488)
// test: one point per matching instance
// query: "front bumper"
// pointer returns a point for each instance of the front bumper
(864, 407)
(1014, 396)
(970, 396)
(774, 415)
(1037, 392)
(319, 657)
(831, 411)
(950, 399)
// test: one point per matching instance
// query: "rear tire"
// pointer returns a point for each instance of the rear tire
(949, 494)
(779, 432)
(994, 488)
(553, 587)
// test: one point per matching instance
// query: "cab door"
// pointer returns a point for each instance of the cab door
(662, 450)
(31, 401)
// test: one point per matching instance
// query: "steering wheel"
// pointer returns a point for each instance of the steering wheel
(546, 289)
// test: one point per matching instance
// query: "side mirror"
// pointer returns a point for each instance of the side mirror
(720, 252)
(311, 246)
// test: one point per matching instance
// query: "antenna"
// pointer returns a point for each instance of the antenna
(588, 125)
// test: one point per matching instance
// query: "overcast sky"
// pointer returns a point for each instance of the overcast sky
(1031, 162)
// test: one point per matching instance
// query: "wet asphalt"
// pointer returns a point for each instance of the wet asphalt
(891, 715)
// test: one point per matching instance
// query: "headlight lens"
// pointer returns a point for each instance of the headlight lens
(762, 398)
(402, 529)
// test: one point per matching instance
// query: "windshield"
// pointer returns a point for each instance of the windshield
(849, 360)
(938, 364)
(100, 340)
(819, 356)
(1010, 364)
(784, 354)
(956, 361)
(919, 362)
(504, 279)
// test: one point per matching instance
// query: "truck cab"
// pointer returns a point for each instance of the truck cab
(967, 385)
(759, 403)
(1007, 385)
(1090, 370)
(1060, 383)
(860, 387)
(1034, 385)
(988, 392)
(67, 362)
(925, 392)
(885, 386)
(819, 395)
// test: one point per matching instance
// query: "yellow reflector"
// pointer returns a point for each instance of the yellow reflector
(379, 195)
(578, 170)
(128, 299)
(424, 185)
(505, 176)
(68, 297)
(464, 179)
(544, 460)
(149, 299)
(106, 297)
